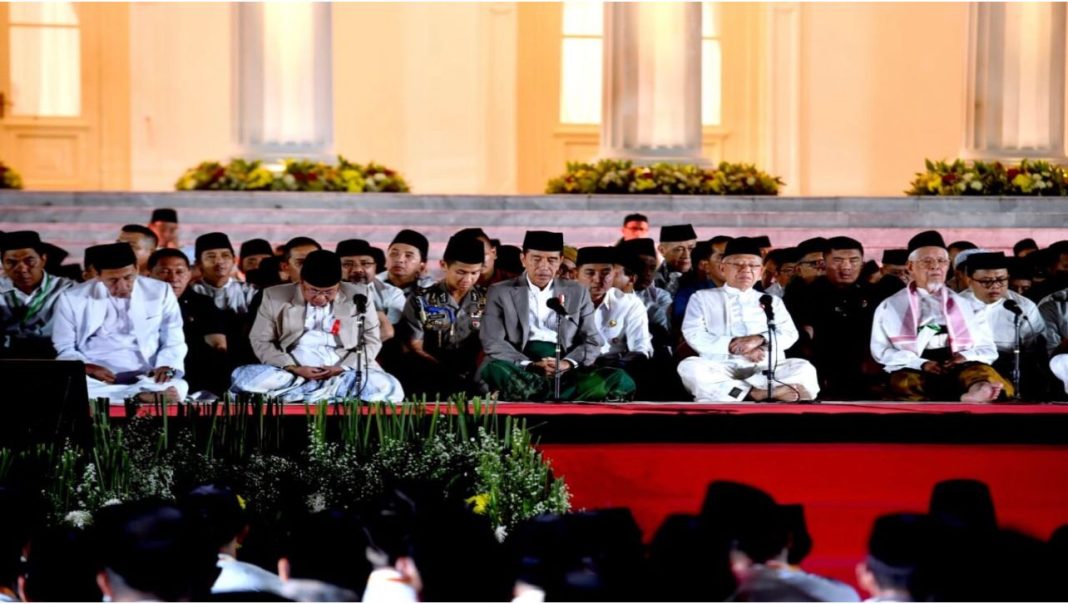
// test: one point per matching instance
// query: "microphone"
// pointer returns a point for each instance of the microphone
(557, 306)
(766, 304)
(361, 303)
(1013, 307)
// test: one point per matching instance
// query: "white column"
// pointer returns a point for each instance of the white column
(284, 79)
(1015, 88)
(652, 82)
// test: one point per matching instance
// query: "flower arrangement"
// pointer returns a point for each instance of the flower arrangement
(292, 175)
(957, 178)
(464, 451)
(9, 178)
(612, 176)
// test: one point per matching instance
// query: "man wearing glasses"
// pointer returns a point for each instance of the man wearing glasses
(988, 290)
(727, 326)
(929, 340)
(307, 339)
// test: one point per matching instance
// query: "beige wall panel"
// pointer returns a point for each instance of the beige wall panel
(882, 88)
(180, 89)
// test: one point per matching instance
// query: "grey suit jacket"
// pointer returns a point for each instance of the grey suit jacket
(280, 323)
(506, 324)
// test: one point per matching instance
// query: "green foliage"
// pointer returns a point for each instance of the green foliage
(613, 176)
(354, 453)
(292, 175)
(959, 178)
(9, 178)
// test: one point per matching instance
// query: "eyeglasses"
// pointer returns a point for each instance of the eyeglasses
(745, 267)
(933, 262)
(988, 283)
(313, 292)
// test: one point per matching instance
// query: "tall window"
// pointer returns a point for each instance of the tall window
(582, 63)
(45, 55)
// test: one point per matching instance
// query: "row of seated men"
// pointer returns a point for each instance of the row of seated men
(626, 324)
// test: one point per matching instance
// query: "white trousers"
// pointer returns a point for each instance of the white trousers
(1059, 366)
(118, 393)
(731, 380)
(278, 383)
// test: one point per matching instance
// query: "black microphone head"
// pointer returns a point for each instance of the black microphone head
(556, 305)
(766, 304)
(1013, 307)
(361, 302)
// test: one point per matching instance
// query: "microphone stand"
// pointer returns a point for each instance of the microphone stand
(360, 353)
(559, 353)
(1016, 360)
(770, 371)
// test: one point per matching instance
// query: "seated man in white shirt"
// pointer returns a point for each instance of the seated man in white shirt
(358, 266)
(990, 296)
(728, 327)
(308, 340)
(125, 328)
(215, 260)
(620, 318)
(928, 339)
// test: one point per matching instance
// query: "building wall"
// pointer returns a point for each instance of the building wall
(431, 89)
(882, 88)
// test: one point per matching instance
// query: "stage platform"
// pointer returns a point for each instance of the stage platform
(846, 462)
(76, 220)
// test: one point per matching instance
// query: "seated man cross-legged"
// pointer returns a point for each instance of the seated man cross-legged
(306, 337)
(728, 328)
(125, 328)
(928, 338)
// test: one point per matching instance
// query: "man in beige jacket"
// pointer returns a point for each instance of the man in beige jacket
(307, 337)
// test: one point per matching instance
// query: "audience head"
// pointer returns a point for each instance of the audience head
(18, 521)
(320, 278)
(293, 255)
(800, 542)
(928, 260)
(253, 252)
(688, 564)
(171, 266)
(626, 269)
(957, 247)
(1056, 259)
(749, 520)
(357, 261)
(1020, 275)
(715, 259)
(812, 264)
(267, 274)
(764, 243)
(60, 567)
(843, 258)
(568, 269)
(24, 259)
(676, 244)
(462, 263)
(164, 223)
(150, 550)
(635, 226)
(406, 257)
(643, 254)
(742, 263)
(329, 547)
(988, 276)
(1024, 247)
(895, 264)
(116, 268)
(964, 502)
(380, 258)
(596, 270)
(700, 256)
(542, 254)
(510, 259)
(215, 258)
(142, 241)
(896, 551)
(218, 513)
(788, 260)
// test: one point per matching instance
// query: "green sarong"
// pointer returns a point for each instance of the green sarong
(516, 383)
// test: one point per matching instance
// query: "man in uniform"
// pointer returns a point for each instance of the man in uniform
(358, 266)
(142, 241)
(676, 244)
(406, 262)
(127, 330)
(28, 297)
(727, 326)
(164, 224)
(203, 324)
(989, 293)
(929, 340)
(443, 323)
(307, 338)
(520, 333)
(620, 317)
